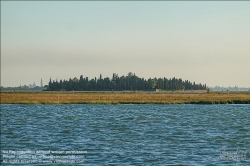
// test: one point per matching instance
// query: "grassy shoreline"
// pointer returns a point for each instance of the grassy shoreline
(123, 98)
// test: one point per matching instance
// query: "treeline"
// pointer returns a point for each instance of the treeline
(24, 87)
(129, 82)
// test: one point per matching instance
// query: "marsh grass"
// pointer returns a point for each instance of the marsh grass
(133, 98)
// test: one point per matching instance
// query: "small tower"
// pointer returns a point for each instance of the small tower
(41, 83)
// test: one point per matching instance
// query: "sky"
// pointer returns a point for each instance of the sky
(206, 42)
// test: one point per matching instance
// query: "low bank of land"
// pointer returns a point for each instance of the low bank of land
(122, 98)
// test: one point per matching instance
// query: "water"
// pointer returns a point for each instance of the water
(130, 134)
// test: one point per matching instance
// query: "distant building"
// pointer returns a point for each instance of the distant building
(158, 90)
(41, 83)
(32, 85)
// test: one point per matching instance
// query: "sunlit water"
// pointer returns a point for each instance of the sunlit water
(130, 134)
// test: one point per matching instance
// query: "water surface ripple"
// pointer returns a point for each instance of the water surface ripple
(130, 134)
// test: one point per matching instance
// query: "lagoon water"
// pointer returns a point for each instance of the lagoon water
(128, 134)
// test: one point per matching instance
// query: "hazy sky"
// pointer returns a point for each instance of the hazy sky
(207, 42)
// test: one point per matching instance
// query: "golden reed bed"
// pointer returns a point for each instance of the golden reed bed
(129, 98)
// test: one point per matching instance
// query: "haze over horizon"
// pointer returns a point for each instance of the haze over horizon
(206, 42)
